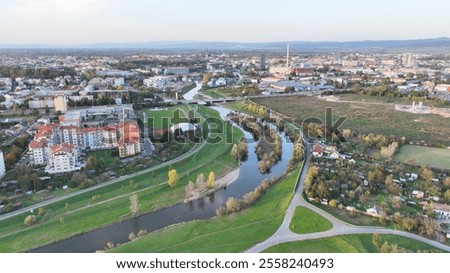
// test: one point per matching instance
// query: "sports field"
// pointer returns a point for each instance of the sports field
(421, 155)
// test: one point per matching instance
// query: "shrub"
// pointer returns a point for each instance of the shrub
(30, 220)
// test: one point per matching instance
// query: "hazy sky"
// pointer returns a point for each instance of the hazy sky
(93, 21)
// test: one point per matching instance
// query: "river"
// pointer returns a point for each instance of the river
(191, 93)
(203, 208)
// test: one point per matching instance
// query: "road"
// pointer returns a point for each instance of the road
(284, 234)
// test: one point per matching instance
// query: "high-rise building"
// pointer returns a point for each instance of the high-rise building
(2, 165)
(262, 62)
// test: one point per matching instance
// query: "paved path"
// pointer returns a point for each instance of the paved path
(284, 234)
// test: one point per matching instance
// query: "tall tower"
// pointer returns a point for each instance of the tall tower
(262, 62)
(287, 61)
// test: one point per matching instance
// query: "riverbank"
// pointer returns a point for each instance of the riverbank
(221, 183)
(110, 204)
(230, 233)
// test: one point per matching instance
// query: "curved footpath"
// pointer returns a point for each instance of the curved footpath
(284, 234)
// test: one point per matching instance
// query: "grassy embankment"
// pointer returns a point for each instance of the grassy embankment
(356, 243)
(307, 221)
(230, 233)
(110, 204)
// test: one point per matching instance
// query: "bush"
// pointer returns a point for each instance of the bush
(30, 220)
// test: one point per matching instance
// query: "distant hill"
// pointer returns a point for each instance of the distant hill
(436, 45)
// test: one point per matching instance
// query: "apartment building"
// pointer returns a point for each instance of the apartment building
(63, 158)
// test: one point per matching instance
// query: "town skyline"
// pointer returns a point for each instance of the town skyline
(98, 21)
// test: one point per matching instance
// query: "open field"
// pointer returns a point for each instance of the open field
(110, 204)
(232, 233)
(307, 221)
(165, 117)
(420, 155)
(357, 243)
(384, 99)
(366, 118)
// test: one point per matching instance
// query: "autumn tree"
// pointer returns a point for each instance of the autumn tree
(235, 152)
(29, 220)
(376, 240)
(200, 182)
(332, 203)
(173, 178)
(134, 205)
(447, 195)
(447, 182)
(189, 190)
(211, 179)
(346, 133)
(429, 227)
(41, 211)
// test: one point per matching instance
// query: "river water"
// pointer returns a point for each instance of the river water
(203, 208)
(191, 94)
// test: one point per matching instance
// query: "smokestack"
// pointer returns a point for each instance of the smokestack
(287, 61)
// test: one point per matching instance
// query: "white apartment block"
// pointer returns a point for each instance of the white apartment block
(63, 158)
(129, 147)
(57, 146)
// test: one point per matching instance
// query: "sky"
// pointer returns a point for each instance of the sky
(71, 22)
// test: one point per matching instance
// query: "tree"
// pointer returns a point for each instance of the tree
(211, 179)
(10, 159)
(235, 152)
(189, 190)
(332, 203)
(346, 133)
(134, 205)
(429, 228)
(409, 223)
(200, 181)
(447, 182)
(41, 211)
(173, 178)
(206, 78)
(447, 195)
(426, 174)
(29, 220)
(376, 240)
(261, 111)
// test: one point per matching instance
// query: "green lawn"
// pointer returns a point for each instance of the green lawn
(421, 155)
(164, 118)
(111, 203)
(307, 221)
(106, 155)
(356, 243)
(232, 233)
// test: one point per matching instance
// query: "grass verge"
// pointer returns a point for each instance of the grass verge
(307, 221)
(230, 233)
(355, 243)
